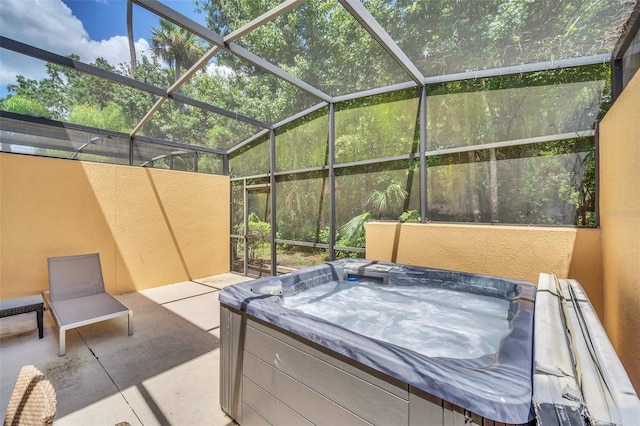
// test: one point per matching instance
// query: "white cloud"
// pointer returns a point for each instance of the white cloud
(50, 25)
(219, 70)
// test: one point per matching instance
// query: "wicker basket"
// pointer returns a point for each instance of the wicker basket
(33, 401)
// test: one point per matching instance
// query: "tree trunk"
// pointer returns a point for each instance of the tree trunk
(132, 46)
(493, 177)
(473, 184)
(493, 166)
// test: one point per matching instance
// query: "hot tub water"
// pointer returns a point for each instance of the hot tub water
(435, 322)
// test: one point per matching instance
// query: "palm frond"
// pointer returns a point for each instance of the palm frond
(355, 225)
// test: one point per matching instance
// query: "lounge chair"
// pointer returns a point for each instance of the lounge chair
(76, 294)
(33, 401)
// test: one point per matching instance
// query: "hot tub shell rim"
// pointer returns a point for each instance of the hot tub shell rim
(442, 378)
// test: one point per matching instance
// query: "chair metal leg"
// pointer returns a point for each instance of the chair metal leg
(63, 333)
(39, 313)
(130, 318)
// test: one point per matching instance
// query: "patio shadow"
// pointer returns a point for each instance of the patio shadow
(104, 365)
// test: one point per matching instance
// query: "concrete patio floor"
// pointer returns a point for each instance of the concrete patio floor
(166, 373)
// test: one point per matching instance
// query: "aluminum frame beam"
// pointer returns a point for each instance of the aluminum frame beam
(378, 91)
(64, 149)
(161, 142)
(301, 114)
(332, 182)
(302, 243)
(369, 23)
(195, 67)
(376, 161)
(47, 56)
(174, 88)
(494, 72)
(625, 40)
(200, 63)
(315, 169)
(147, 116)
(423, 149)
(220, 111)
(629, 32)
(260, 176)
(513, 142)
(58, 124)
(520, 69)
(200, 105)
(266, 17)
(273, 207)
(44, 55)
(248, 141)
(201, 31)
(106, 133)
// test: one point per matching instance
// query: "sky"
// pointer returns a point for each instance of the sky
(88, 28)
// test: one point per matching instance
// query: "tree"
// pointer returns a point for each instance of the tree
(109, 117)
(175, 46)
(24, 105)
(319, 42)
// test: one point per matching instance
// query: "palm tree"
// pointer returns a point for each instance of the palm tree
(383, 203)
(387, 200)
(176, 46)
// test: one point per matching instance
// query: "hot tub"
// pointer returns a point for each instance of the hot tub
(290, 356)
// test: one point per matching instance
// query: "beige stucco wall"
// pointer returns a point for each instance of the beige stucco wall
(620, 222)
(506, 251)
(151, 227)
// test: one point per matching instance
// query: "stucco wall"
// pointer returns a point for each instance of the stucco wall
(620, 222)
(506, 251)
(151, 227)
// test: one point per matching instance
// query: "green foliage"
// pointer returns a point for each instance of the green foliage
(546, 183)
(352, 233)
(257, 239)
(24, 105)
(110, 117)
(377, 126)
(410, 216)
(324, 234)
(383, 201)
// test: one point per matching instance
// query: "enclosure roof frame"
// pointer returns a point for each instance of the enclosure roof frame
(356, 9)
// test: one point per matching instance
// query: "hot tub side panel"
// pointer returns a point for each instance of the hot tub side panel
(231, 348)
(273, 377)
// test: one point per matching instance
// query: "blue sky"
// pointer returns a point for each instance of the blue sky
(88, 28)
(106, 18)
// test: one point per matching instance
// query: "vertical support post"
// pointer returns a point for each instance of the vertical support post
(617, 79)
(171, 161)
(423, 157)
(246, 226)
(225, 171)
(332, 181)
(225, 164)
(597, 177)
(131, 150)
(272, 193)
(195, 161)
